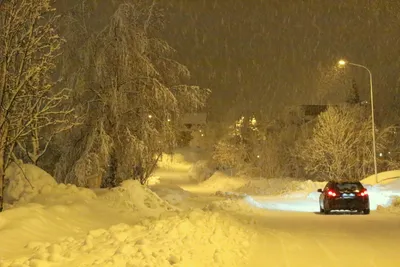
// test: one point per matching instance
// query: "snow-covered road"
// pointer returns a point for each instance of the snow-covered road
(290, 232)
(309, 239)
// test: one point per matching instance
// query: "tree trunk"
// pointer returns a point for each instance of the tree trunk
(34, 155)
(111, 175)
(3, 142)
(2, 174)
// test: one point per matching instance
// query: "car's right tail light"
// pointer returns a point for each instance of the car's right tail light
(363, 193)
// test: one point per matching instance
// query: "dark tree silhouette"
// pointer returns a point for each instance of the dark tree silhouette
(353, 96)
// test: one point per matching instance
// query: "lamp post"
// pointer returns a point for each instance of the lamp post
(343, 63)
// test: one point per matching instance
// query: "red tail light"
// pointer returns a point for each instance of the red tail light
(331, 193)
(363, 193)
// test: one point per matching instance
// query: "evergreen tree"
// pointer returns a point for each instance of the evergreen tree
(353, 96)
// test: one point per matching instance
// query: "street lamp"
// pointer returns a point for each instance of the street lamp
(343, 63)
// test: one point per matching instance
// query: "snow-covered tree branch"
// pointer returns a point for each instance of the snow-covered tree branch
(341, 144)
(29, 103)
(134, 89)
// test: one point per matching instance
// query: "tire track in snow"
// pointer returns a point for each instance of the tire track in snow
(327, 252)
(287, 242)
(284, 251)
(267, 252)
(332, 250)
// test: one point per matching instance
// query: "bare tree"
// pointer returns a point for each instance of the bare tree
(340, 147)
(29, 45)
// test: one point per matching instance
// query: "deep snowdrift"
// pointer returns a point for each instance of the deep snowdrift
(63, 225)
(25, 181)
(196, 238)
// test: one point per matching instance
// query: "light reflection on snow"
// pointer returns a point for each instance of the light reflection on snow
(303, 205)
(380, 195)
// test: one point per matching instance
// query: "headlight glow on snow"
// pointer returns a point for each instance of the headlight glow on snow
(379, 195)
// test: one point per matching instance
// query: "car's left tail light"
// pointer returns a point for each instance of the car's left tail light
(332, 193)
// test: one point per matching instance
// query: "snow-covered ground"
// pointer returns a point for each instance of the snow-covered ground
(62, 225)
(177, 221)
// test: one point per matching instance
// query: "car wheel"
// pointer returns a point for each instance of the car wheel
(326, 211)
(321, 210)
(366, 211)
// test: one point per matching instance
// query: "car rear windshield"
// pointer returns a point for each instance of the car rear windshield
(349, 186)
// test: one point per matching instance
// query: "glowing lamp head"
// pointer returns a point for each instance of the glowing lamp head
(342, 62)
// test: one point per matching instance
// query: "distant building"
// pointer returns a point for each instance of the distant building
(303, 113)
(310, 112)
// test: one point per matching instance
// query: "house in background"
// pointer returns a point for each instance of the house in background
(303, 114)
(310, 112)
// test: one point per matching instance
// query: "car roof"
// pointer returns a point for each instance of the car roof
(335, 183)
(344, 182)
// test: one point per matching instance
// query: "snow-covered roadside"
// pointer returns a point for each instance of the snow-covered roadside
(70, 211)
(196, 238)
(63, 225)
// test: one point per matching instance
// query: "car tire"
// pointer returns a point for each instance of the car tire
(326, 211)
(366, 211)
(321, 210)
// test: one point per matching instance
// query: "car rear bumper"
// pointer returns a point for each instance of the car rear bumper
(348, 204)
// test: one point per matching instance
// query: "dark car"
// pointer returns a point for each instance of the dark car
(344, 196)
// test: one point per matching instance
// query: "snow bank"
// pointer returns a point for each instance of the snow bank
(24, 181)
(197, 238)
(28, 183)
(67, 210)
(277, 186)
(171, 193)
(61, 194)
(200, 171)
(133, 196)
(383, 177)
(232, 204)
(219, 181)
